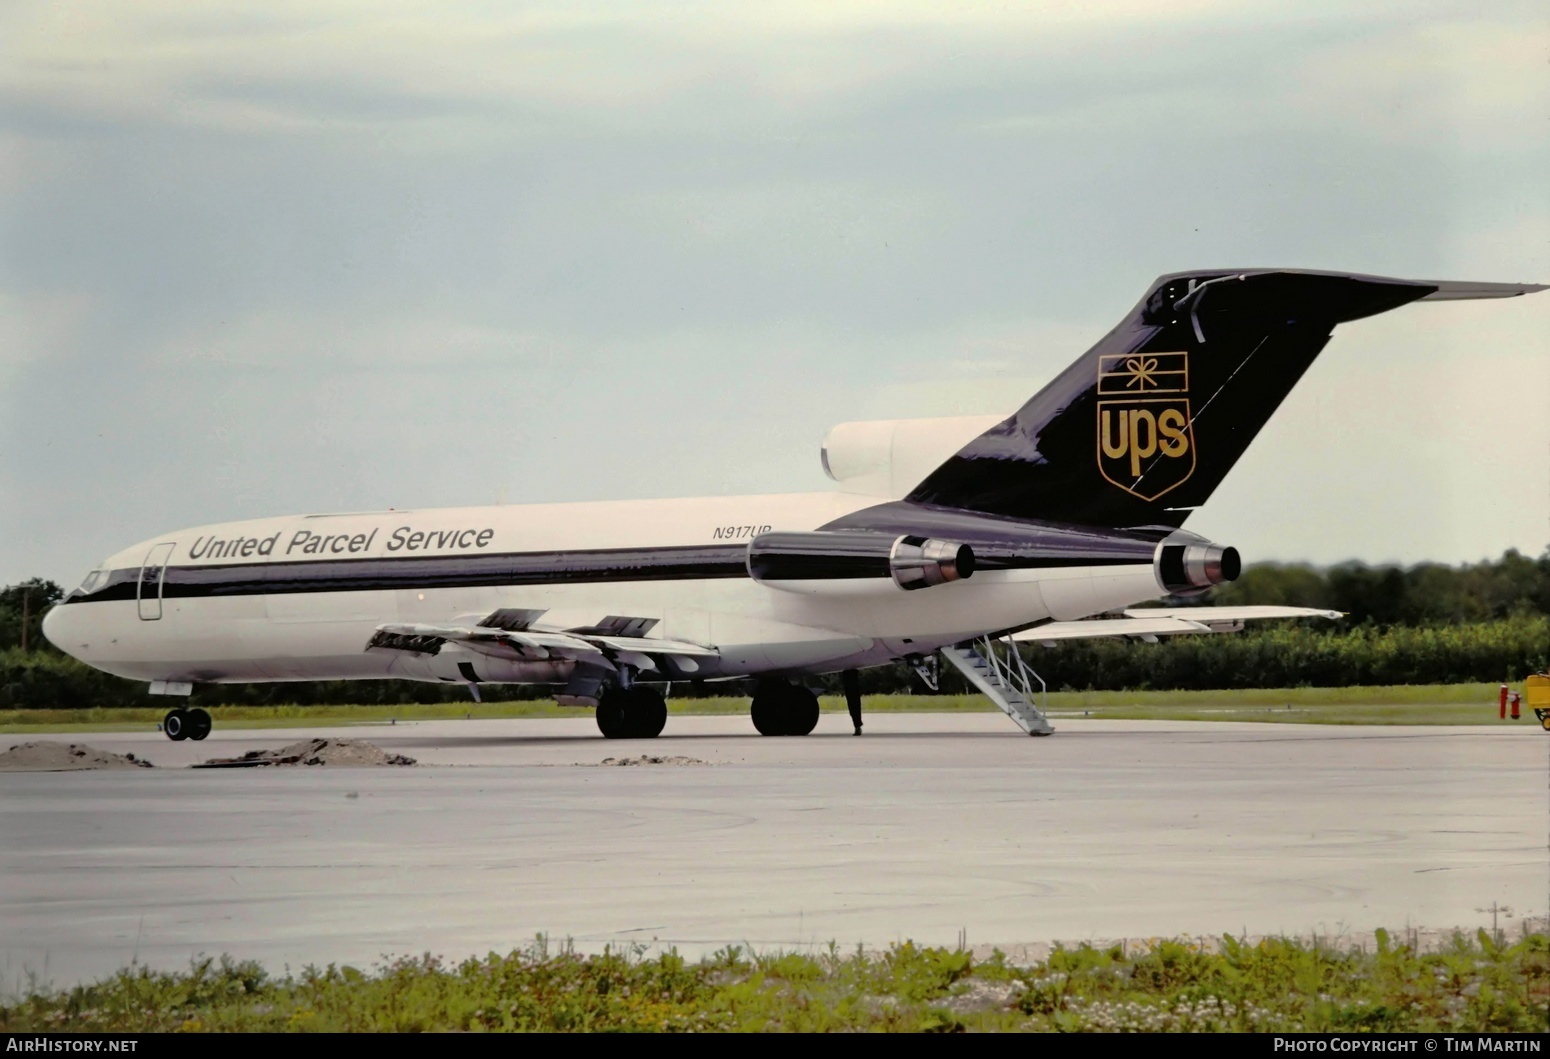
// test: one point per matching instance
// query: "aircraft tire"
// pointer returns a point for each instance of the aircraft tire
(199, 723)
(613, 716)
(175, 724)
(782, 708)
(801, 711)
(645, 712)
(767, 708)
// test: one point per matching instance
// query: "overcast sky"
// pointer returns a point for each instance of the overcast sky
(289, 257)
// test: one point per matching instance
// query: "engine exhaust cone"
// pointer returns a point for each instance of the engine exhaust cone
(1187, 564)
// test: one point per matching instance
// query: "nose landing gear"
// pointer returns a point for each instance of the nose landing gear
(181, 724)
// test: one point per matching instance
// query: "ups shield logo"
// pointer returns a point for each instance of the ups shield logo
(1145, 442)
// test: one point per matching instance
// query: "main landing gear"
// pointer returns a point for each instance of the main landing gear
(635, 712)
(783, 708)
(181, 724)
(640, 712)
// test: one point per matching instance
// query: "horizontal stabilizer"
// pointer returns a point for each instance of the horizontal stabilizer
(1464, 290)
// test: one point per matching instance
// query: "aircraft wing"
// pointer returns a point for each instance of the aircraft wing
(582, 645)
(1148, 623)
(525, 645)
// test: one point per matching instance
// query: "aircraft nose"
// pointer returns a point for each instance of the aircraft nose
(56, 626)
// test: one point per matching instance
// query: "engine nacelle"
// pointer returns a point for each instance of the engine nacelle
(785, 560)
(1188, 564)
(889, 457)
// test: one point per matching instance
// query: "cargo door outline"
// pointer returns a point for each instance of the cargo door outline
(153, 574)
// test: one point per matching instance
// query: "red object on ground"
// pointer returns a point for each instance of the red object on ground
(1502, 705)
(1517, 700)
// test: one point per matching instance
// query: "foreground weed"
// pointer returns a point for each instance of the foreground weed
(1475, 984)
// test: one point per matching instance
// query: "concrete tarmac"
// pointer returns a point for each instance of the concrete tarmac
(931, 827)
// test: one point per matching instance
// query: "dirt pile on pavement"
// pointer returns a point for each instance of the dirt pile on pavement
(345, 752)
(647, 759)
(65, 757)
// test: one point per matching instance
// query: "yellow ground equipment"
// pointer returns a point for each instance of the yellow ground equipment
(1536, 693)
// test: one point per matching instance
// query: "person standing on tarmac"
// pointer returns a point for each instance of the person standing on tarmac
(852, 682)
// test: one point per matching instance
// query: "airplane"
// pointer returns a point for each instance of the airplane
(952, 538)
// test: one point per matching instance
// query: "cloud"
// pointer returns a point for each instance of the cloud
(433, 73)
(32, 328)
(316, 343)
(1470, 83)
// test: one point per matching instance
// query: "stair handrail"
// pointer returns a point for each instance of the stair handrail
(993, 658)
(1013, 671)
(1028, 671)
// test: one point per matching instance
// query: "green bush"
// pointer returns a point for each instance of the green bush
(1289, 656)
(1474, 984)
(52, 681)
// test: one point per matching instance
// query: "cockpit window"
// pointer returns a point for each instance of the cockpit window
(94, 580)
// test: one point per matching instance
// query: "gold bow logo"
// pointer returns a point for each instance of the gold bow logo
(1141, 371)
(1149, 373)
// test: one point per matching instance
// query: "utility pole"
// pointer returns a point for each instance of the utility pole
(26, 616)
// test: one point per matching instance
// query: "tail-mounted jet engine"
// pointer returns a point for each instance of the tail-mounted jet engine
(1188, 565)
(786, 560)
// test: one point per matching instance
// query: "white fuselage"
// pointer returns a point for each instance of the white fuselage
(298, 598)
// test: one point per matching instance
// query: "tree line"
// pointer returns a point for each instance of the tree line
(1424, 594)
(22, 607)
(1424, 624)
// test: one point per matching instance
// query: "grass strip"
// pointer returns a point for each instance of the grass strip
(1474, 984)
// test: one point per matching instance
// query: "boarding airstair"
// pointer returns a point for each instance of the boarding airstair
(997, 669)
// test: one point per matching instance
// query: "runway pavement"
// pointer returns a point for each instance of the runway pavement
(930, 825)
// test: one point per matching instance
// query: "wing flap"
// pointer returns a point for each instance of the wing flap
(526, 645)
(650, 645)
